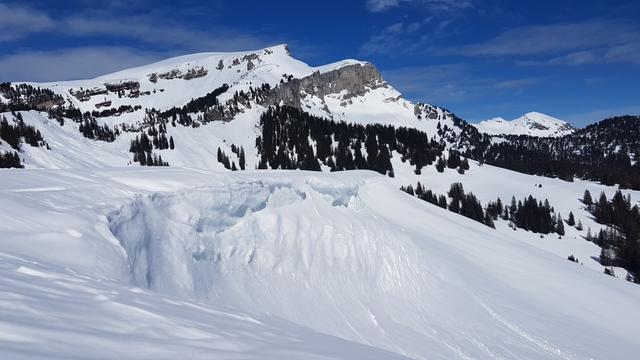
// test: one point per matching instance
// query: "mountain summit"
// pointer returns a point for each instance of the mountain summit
(531, 123)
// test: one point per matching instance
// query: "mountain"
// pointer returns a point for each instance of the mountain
(363, 225)
(532, 124)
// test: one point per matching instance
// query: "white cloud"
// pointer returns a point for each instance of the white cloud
(383, 5)
(626, 53)
(70, 64)
(542, 39)
(433, 84)
(518, 83)
(19, 21)
(404, 37)
(452, 83)
(170, 35)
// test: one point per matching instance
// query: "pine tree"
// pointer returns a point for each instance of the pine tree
(579, 226)
(559, 225)
(586, 198)
(609, 271)
(442, 201)
(488, 220)
(242, 160)
(172, 144)
(440, 165)
(454, 160)
(513, 208)
(571, 221)
(464, 165)
(454, 206)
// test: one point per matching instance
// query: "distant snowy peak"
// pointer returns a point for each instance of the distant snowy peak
(532, 123)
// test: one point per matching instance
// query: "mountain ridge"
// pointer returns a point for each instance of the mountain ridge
(532, 124)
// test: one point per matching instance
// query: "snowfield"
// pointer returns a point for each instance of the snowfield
(179, 262)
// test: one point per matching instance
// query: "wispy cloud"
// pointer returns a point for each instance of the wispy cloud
(434, 84)
(398, 38)
(439, 5)
(146, 31)
(71, 64)
(626, 53)
(518, 83)
(452, 83)
(18, 21)
(596, 41)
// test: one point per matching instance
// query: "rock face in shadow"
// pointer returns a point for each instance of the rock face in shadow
(356, 80)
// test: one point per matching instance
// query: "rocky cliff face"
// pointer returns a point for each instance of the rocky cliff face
(354, 79)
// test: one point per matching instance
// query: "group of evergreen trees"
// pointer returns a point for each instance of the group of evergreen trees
(115, 111)
(534, 215)
(606, 151)
(529, 214)
(465, 204)
(90, 129)
(223, 158)
(239, 151)
(293, 139)
(142, 147)
(202, 104)
(209, 108)
(426, 195)
(620, 241)
(453, 161)
(24, 97)
(15, 134)
(10, 159)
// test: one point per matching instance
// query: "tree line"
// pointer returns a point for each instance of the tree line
(14, 134)
(620, 240)
(293, 139)
(528, 214)
(607, 151)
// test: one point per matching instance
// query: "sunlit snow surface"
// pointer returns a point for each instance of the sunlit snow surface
(170, 262)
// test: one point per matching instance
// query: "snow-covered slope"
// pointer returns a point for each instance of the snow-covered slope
(344, 254)
(351, 91)
(52, 312)
(532, 123)
(169, 85)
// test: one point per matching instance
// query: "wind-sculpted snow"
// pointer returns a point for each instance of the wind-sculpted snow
(260, 264)
(305, 251)
(354, 261)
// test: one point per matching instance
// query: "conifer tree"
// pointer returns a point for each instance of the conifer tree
(560, 225)
(586, 198)
(440, 165)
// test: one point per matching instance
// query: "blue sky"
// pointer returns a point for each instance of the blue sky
(576, 60)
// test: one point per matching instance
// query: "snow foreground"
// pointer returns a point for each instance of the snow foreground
(50, 312)
(284, 264)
